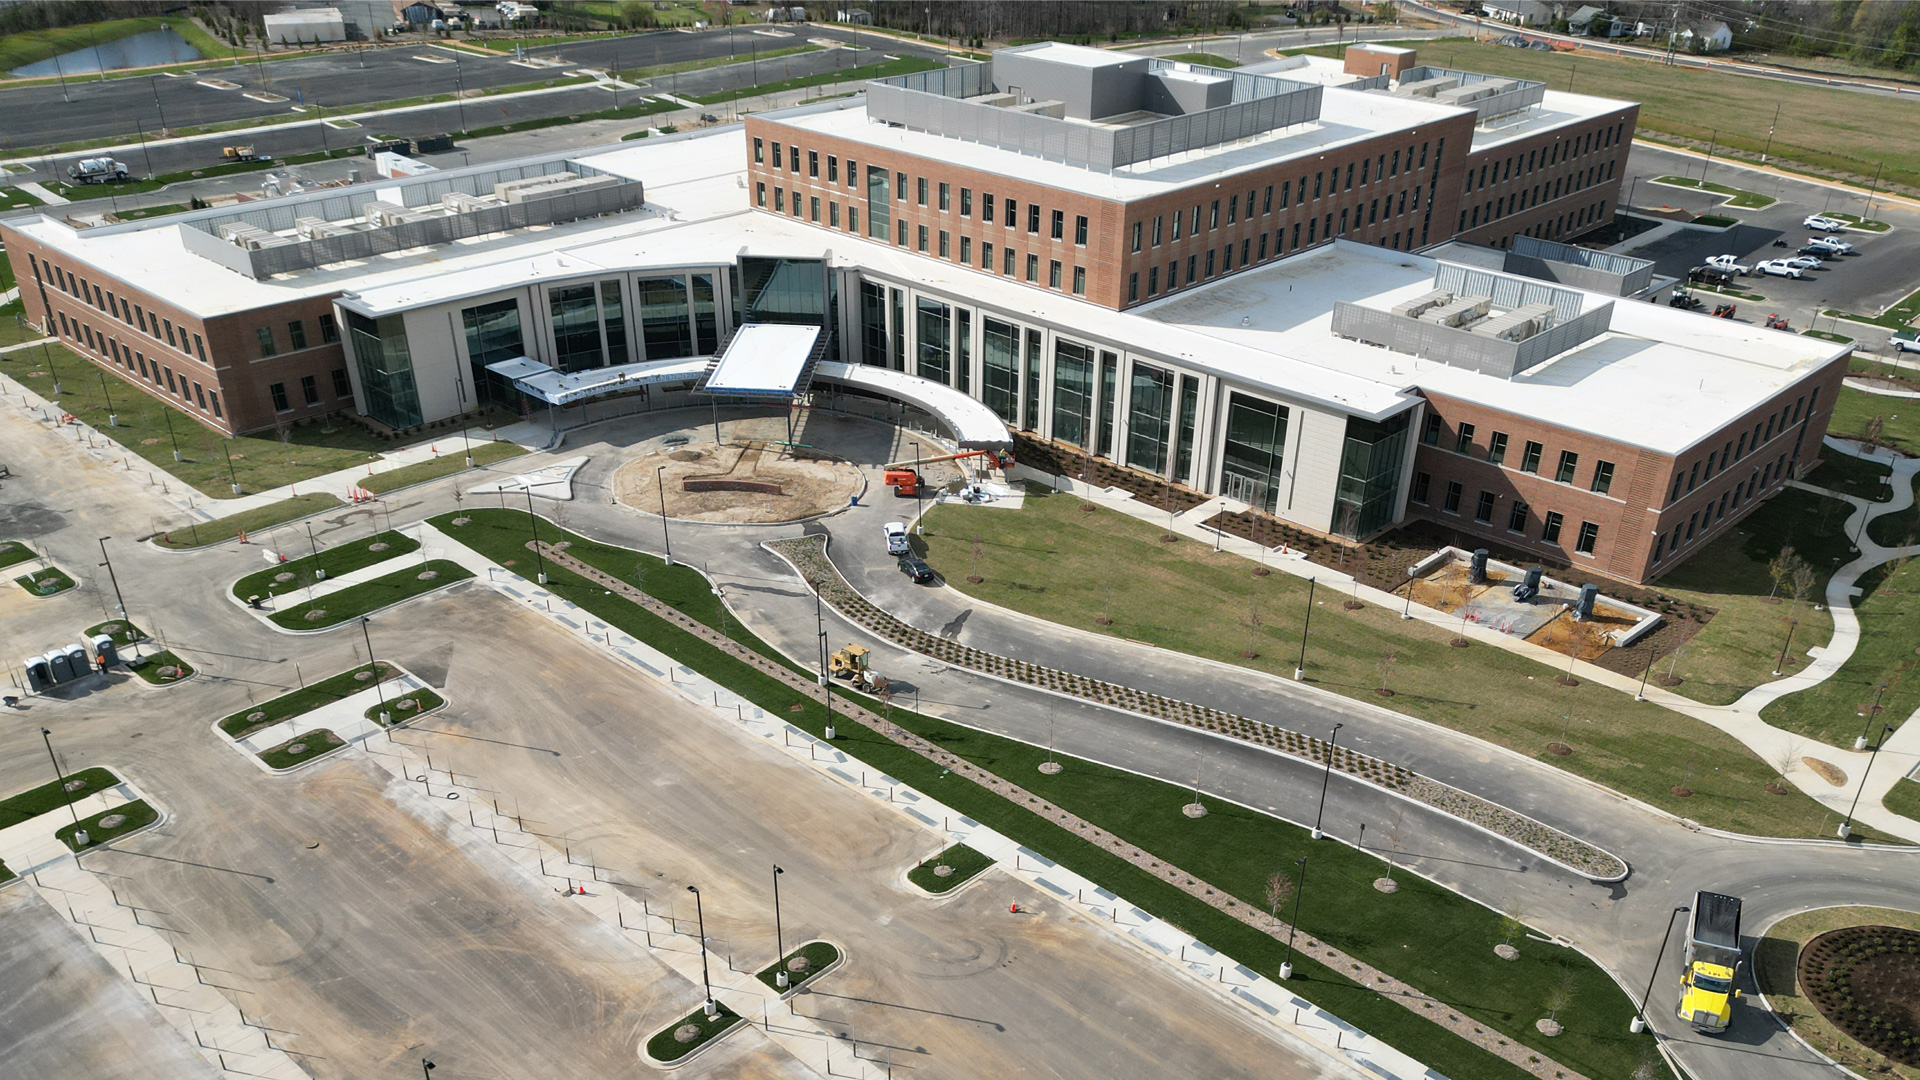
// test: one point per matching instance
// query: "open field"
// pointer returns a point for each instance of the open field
(1899, 418)
(1055, 562)
(1836, 710)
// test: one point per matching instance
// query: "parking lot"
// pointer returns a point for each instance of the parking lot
(1882, 268)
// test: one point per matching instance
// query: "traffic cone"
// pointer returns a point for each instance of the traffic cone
(243, 536)
(1013, 908)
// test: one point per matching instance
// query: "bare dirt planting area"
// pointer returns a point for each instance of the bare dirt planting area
(750, 479)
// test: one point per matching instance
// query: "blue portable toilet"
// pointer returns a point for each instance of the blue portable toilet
(58, 665)
(77, 659)
(104, 653)
(39, 675)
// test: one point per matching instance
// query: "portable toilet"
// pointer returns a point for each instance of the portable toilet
(39, 674)
(104, 653)
(57, 664)
(77, 659)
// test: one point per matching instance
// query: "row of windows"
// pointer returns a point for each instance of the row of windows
(150, 323)
(1494, 209)
(1056, 219)
(1370, 170)
(189, 391)
(1565, 471)
(1736, 450)
(1518, 518)
(1507, 168)
(296, 335)
(1220, 260)
(1716, 510)
(310, 390)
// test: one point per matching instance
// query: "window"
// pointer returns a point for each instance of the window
(1431, 433)
(921, 237)
(1213, 215)
(277, 390)
(1079, 281)
(1452, 503)
(1053, 274)
(1033, 217)
(1550, 532)
(329, 332)
(1497, 447)
(1422, 483)
(1463, 439)
(1602, 476)
(1530, 458)
(1080, 230)
(171, 341)
(265, 336)
(297, 334)
(341, 386)
(793, 159)
(760, 195)
(813, 164)
(1569, 462)
(833, 169)
(966, 202)
(1136, 236)
(879, 199)
(920, 190)
(759, 152)
(1589, 534)
(986, 256)
(1033, 267)
(833, 215)
(309, 389)
(1059, 224)
(946, 248)
(1517, 517)
(200, 394)
(1133, 287)
(1483, 509)
(946, 196)
(966, 249)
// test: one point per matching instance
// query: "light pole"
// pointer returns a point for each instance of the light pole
(534, 524)
(918, 531)
(373, 666)
(1639, 1022)
(154, 82)
(108, 563)
(1293, 926)
(319, 572)
(226, 448)
(1326, 778)
(426, 1068)
(1300, 669)
(705, 981)
(165, 414)
(58, 776)
(1846, 827)
(1652, 651)
(666, 538)
(47, 356)
(113, 418)
(779, 948)
(1873, 710)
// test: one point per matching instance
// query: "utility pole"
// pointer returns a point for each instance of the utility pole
(108, 563)
(1770, 126)
(706, 981)
(59, 777)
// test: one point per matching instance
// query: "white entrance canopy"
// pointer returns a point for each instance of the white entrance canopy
(974, 426)
(763, 360)
(565, 388)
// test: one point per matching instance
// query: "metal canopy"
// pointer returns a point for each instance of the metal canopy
(764, 360)
(540, 381)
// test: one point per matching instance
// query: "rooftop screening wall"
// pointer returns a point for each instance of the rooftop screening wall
(935, 101)
(1600, 271)
(1463, 348)
(1523, 96)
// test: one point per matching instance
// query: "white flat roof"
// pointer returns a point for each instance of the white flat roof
(1556, 109)
(1056, 52)
(763, 358)
(974, 425)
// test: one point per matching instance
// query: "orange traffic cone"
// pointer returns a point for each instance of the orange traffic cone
(1013, 908)
(243, 536)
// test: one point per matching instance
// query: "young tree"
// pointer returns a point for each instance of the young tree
(1803, 582)
(1874, 431)
(1780, 568)
(1279, 889)
(1560, 994)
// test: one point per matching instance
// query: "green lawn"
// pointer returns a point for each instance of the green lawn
(150, 667)
(1904, 799)
(1834, 711)
(1899, 418)
(13, 551)
(1857, 222)
(1898, 529)
(1053, 561)
(310, 744)
(48, 582)
(337, 560)
(12, 198)
(52, 795)
(368, 596)
(1431, 937)
(1204, 59)
(259, 519)
(664, 1047)
(883, 70)
(133, 815)
(424, 701)
(260, 461)
(1898, 316)
(965, 862)
(150, 211)
(1820, 129)
(1738, 198)
(1850, 475)
(304, 700)
(819, 954)
(452, 459)
(1827, 335)
(121, 631)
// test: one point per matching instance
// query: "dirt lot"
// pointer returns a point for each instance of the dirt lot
(807, 482)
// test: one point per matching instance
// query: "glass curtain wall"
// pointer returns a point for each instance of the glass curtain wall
(706, 326)
(1109, 386)
(664, 317)
(1033, 381)
(1000, 368)
(963, 348)
(493, 335)
(1189, 418)
(1366, 500)
(873, 324)
(898, 354)
(1149, 418)
(613, 317)
(792, 291)
(1072, 392)
(879, 212)
(387, 390)
(1255, 449)
(576, 327)
(935, 342)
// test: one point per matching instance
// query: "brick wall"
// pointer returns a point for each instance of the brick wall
(1557, 184)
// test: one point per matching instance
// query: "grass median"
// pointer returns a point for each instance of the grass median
(162, 668)
(691, 1032)
(961, 862)
(259, 519)
(13, 552)
(1053, 561)
(450, 461)
(53, 795)
(1899, 315)
(332, 609)
(122, 632)
(1737, 198)
(1435, 939)
(818, 956)
(301, 749)
(48, 582)
(306, 699)
(107, 825)
(287, 578)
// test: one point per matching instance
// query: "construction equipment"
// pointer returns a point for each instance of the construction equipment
(1712, 960)
(1777, 322)
(851, 663)
(243, 153)
(97, 170)
(904, 479)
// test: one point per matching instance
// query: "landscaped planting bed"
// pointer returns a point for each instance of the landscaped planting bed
(306, 699)
(960, 863)
(1866, 981)
(46, 582)
(52, 796)
(301, 749)
(1063, 460)
(108, 824)
(334, 608)
(294, 575)
(407, 706)
(809, 557)
(690, 1033)
(161, 668)
(13, 551)
(802, 964)
(121, 631)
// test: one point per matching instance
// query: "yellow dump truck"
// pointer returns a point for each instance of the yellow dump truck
(1712, 961)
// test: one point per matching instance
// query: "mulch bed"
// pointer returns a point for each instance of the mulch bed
(1063, 460)
(1866, 981)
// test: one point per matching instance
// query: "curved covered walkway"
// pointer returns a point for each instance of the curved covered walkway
(974, 426)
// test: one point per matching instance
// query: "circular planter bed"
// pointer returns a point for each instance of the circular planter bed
(1865, 980)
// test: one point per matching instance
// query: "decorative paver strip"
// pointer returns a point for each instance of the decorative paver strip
(808, 556)
(1365, 974)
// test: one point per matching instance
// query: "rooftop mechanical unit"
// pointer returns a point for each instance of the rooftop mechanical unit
(313, 228)
(1414, 308)
(1460, 311)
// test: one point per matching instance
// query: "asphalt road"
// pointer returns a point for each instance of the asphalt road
(1881, 270)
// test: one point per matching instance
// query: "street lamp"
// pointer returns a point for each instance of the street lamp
(58, 776)
(534, 524)
(1300, 669)
(917, 529)
(108, 563)
(226, 448)
(319, 572)
(1781, 664)
(779, 949)
(1846, 827)
(373, 667)
(1639, 1022)
(660, 480)
(1293, 926)
(166, 415)
(1325, 778)
(113, 418)
(1873, 710)
(426, 1068)
(711, 1008)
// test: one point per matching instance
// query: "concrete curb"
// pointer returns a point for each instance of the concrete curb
(1768, 1005)
(795, 988)
(369, 614)
(686, 1058)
